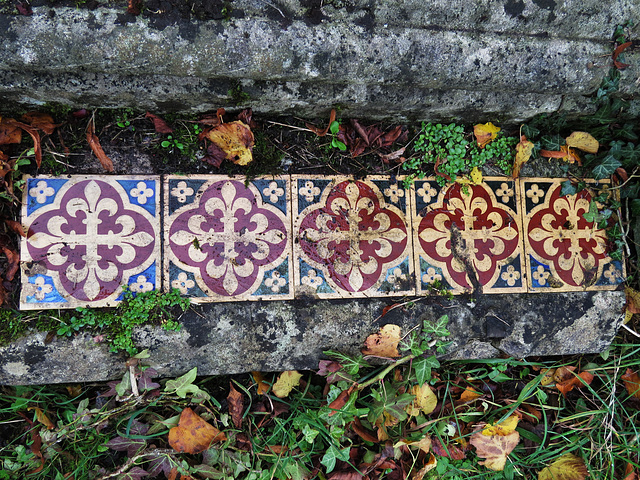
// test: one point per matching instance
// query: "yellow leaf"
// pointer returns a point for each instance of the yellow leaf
(285, 383)
(423, 444)
(567, 467)
(263, 387)
(469, 395)
(494, 448)
(424, 402)
(235, 139)
(42, 417)
(485, 133)
(476, 176)
(583, 141)
(547, 376)
(384, 343)
(505, 428)
(523, 153)
(428, 466)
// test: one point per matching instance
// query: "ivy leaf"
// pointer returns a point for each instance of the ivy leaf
(423, 366)
(333, 454)
(568, 188)
(181, 386)
(608, 165)
(551, 142)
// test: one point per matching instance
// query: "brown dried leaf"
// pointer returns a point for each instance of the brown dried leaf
(134, 7)
(94, 143)
(41, 121)
(193, 434)
(9, 131)
(159, 124)
(235, 400)
(13, 260)
(235, 139)
(42, 417)
(633, 300)
(451, 451)
(263, 387)
(340, 401)
(395, 157)
(362, 432)
(384, 343)
(428, 466)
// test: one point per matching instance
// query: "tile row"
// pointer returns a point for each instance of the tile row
(217, 238)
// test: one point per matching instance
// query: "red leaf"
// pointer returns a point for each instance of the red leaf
(24, 8)
(214, 156)
(212, 120)
(246, 117)
(94, 143)
(159, 124)
(619, 49)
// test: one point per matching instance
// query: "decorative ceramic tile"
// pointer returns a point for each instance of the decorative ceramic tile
(228, 239)
(352, 237)
(87, 238)
(467, 237)
(564, 251)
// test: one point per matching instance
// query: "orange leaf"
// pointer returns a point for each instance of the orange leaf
(340, 401)
(523, 153)
(485, 133)
(94, 143)
(384, 343)
(321, 132)
(42, 417)
(263, 387)
(629, 472)
(37, 150)
(16, 227)
(575, 381)
(193, 434)
(567, 467)
(469, 395)
(236, 405)
(632, 382)
(235, 139)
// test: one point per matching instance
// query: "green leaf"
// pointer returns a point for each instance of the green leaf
(333, 454)
(608, 165)
(422, 369)
(334, 127)
(552, 142)
(183, 385)
(635, 206)
(530, 132)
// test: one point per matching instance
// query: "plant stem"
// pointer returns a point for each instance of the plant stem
(384, 372)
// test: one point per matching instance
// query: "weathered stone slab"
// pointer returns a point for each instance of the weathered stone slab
(407, 59)
(229, 338)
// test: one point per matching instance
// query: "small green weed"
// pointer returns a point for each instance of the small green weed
(334, 128)
(116, 325)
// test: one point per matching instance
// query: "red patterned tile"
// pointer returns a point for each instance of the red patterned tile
(564, 251)
(352, 237)
(468, 237)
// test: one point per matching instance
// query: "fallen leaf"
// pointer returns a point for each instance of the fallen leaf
(134, 7)
(547, 376)
(159, 124)
(476, 176)
(285, 383)
(425, 401)
(523, 153)
(212, 119)
(13, 262)
(629, 472)
(485, 133)
(384, 343)
(567, 467)
(632, 382)
(236, 405)
(618, 50)
(42, 417)
(193, 434)
(439, 162)
(362, 432)
(633, 300)
(94, 143)
(24, 8)
(566, 380)
(395, 157)
(469, 394)
(428, 466)
(9, 131)
(41, 121)
(450, 451)
(502, 428)
(494, 448)
(583, 141)
(423, 444)
(340, 401)
(321, 132)
(263, 387)
(235, 139)
(565, 153)
(16, 227)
